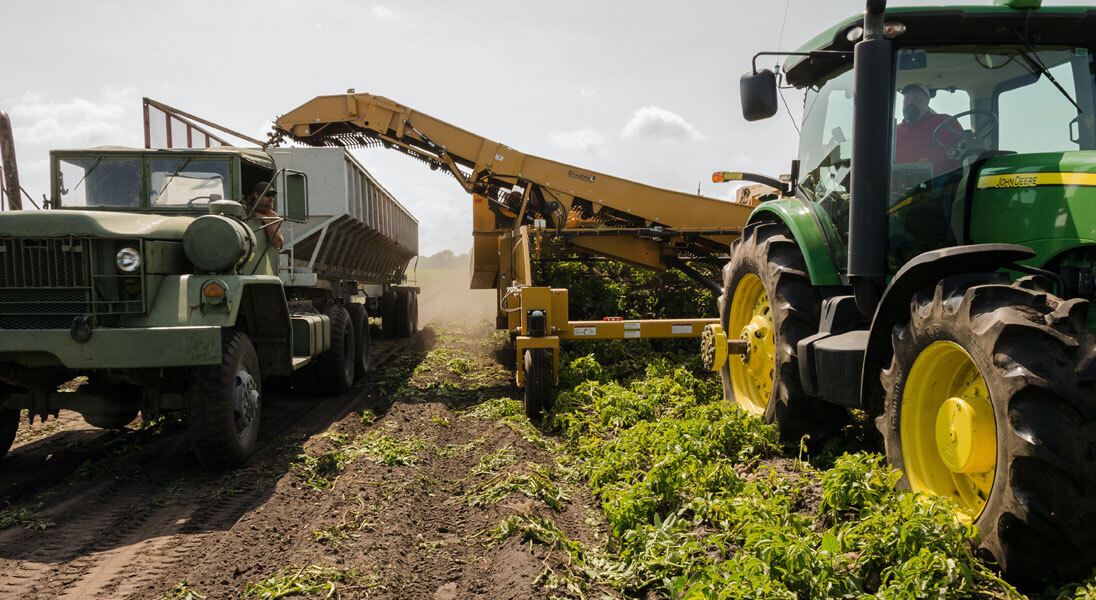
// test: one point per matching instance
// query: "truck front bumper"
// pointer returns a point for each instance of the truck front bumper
(114, 348)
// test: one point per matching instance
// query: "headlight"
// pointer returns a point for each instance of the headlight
(128, 260)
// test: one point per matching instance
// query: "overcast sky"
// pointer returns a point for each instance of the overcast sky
(645, 90)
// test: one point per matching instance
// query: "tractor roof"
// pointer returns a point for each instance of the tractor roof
(984, 25)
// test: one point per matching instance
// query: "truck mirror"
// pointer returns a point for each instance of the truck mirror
(758, 91)
(296, 197)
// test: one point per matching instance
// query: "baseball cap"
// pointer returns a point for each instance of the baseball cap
(259, 187)
(916, 86)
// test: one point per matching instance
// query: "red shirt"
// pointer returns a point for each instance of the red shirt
(915, 144)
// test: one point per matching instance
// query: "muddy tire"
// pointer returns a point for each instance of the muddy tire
(335, 368)
(768, 300)
(538, 381)
(991, 402)
(390, 314)
(9, 424)
(224, 405)
(359, 318)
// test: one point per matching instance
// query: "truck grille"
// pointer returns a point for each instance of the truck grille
(46, 282)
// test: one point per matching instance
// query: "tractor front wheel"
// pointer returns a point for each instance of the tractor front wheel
(990, 404)
(768, 301)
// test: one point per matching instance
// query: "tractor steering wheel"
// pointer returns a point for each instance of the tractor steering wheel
(966, 137)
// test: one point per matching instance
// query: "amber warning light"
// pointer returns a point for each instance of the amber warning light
(722, 176)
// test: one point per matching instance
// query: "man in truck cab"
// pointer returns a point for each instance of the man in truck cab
(915, 143)
(264, 210)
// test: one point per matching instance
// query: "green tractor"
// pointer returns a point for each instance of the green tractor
(931, 262)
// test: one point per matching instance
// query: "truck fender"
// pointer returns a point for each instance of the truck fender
(924, 270)
(264, 317)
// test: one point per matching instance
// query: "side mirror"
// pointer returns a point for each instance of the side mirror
(296, 197)
(758, 95)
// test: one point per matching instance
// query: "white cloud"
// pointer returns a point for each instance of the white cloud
(586, 94)
(579, 139)
(655, 124)
(383, 11)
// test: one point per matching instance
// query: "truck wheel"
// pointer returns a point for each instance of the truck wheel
(768, 300)
(414, 313)
(538, 381)
(359, 318)
(404, 313)
(389, 314)
(335, 367)
(990, 402)
(9, 424)
(224, 405)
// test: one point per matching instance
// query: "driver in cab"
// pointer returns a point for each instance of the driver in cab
(263, 208)
(917, 141)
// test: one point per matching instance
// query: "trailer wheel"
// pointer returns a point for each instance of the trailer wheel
(359, 318)
(404, 313)
(224, 405)
(990, 402)
(9, 424)
(538, 381)
(389, 314)
(414, 313)
(336, 366)
(768, 300)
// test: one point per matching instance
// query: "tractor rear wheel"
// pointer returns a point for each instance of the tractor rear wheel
(224, 405)
(990, 402)
(538, 381)
(336, 366)
(359, 318)
(768, 301)
(9, 424)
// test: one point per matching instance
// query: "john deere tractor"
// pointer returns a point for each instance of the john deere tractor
(931, 262)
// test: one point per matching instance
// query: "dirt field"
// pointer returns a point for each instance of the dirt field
(392, 490)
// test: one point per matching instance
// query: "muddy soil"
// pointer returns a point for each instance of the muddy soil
(392, 490)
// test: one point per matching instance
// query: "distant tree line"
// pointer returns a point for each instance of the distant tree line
(444, 260)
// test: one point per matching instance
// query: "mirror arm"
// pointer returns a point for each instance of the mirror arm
(812, 54)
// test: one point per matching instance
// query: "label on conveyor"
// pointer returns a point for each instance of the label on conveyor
(585, 331)
(631, 326)
(678, 329)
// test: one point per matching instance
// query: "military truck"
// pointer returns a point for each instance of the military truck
(148, 276)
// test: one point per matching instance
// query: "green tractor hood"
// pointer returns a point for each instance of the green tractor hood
(104, 224)
(1046, 201)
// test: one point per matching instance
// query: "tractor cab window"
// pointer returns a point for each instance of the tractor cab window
(187, 182)
(825, 154)
(98, 182)
(955, 106)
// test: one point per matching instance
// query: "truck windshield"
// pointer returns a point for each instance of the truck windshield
(90, 182)
(954, 106)
(181, 182)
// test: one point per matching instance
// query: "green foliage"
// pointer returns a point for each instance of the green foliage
(313, 581)
(701, 503)
(368, 417)
(322, 470)
(492, 462)
(181, 591)
(537, 485)
(24, 518)
(497, 408)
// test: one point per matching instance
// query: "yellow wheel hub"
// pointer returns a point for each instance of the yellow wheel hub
(750, 317)
(949, 437)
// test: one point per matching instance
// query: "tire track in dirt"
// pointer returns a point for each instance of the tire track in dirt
(112, 537)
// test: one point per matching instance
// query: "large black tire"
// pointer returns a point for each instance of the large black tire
(538, 381)
(224, 405)
(404, 313)
(336, 366)
(390, 314)
(359, 318)
(414, 313)
(768, 252)
(9, 424)
(1036, 358)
